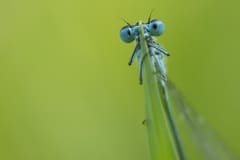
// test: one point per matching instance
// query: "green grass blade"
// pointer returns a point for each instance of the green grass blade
(164, 142)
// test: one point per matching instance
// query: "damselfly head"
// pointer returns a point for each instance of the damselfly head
(152, 28)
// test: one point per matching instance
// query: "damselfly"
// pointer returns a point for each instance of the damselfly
(209, 146)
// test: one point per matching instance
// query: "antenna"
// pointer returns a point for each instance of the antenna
(126, 22)
(150, 15)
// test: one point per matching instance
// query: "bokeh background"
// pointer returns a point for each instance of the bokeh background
(67, 93)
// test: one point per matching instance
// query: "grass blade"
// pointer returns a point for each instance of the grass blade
(163, 138)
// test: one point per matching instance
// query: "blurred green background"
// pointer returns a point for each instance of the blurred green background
(67, 92)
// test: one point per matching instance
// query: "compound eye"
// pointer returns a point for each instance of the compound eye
(127, 34)
(156, 28)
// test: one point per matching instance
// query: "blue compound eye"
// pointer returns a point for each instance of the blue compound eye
(127, 34)
(156, 28)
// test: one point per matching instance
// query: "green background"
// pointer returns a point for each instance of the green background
(67, 93)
